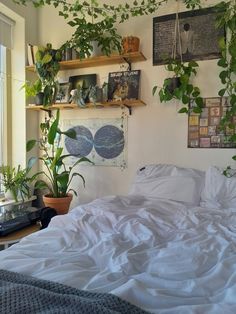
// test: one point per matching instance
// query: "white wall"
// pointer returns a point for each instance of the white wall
(25, 30)
(156, 132)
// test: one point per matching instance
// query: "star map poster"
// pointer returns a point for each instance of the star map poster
(103, 141)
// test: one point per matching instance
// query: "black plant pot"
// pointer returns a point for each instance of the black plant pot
(174, 83)
(39, 99)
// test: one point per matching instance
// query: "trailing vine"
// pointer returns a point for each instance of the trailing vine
(94, 21)
(227, 19)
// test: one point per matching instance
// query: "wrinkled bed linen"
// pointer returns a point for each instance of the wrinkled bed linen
(157, 254)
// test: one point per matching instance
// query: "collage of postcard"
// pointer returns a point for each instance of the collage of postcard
(204, 129)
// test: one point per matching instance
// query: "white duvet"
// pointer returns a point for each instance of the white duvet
(159, 255)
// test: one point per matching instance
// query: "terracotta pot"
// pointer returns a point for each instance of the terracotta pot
(130, 44)
(61, 204)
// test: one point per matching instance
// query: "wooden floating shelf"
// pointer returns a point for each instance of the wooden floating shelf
(98, 61)
(111, 104)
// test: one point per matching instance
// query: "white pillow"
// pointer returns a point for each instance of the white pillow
(219, 191)
(169, 182)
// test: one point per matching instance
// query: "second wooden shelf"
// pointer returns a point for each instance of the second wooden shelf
(111, 104)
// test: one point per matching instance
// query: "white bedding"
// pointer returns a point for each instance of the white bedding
(160, 255)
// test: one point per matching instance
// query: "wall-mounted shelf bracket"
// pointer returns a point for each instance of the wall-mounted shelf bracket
(129, 108)
(128, 61)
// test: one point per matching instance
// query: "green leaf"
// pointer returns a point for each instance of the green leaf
(79, 175)
(232, 48)
(197, 110)
(223, 75)
(56, 158)
(193, 64)
(234, 157)
(30, 144)
(222, 63)
(222, 44)
(199, 101)
(46, 59)
(63, 179)
(222, 92)
(71, 133)
(185, 99)
(189, 88)
(154, 90)
(41, 185)
(53, 129)
(183, 110)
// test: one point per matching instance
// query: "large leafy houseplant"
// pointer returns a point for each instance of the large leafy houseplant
(58, 177)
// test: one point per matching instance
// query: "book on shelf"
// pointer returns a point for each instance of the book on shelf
(30, 54)
(123, 85)
(34, 51)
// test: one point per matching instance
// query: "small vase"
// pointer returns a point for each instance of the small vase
(11, 195)
(97, 51)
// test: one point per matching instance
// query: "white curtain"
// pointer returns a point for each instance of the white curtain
(6, 31)
(2, 97)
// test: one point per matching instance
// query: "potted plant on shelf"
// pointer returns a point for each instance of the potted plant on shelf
(179, 85)
(130, 44)
(17, 182)
(57, 176)
(35, 90)
(47, 65)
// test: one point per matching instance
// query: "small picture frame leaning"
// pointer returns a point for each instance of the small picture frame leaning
(63, 93)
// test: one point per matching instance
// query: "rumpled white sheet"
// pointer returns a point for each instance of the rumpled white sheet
(157, 254)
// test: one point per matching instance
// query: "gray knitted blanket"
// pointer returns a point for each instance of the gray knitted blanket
(24, 294)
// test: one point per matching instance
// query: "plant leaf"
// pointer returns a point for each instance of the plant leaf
(53, 129)
(30, 144)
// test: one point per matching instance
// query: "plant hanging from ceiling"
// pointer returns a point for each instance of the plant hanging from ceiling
(179, 85)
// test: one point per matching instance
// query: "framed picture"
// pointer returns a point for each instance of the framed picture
(204, 129)
(198, 36)
(84, 82)
(123, 85)
(63, 93)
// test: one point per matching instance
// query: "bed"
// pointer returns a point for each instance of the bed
(169, 246)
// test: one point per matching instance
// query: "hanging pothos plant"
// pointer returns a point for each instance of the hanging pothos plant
(95, 21)
(185, 90)
(227, 19)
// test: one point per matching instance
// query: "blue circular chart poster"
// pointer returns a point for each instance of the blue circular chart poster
(103, 141)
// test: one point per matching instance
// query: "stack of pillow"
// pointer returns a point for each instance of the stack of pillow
(210, 189)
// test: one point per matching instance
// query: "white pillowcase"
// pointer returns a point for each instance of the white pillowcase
(169, 182)
(219, 191)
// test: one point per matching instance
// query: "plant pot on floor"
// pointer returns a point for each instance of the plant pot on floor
(60, 204)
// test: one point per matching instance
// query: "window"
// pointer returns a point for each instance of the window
(2, 98)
